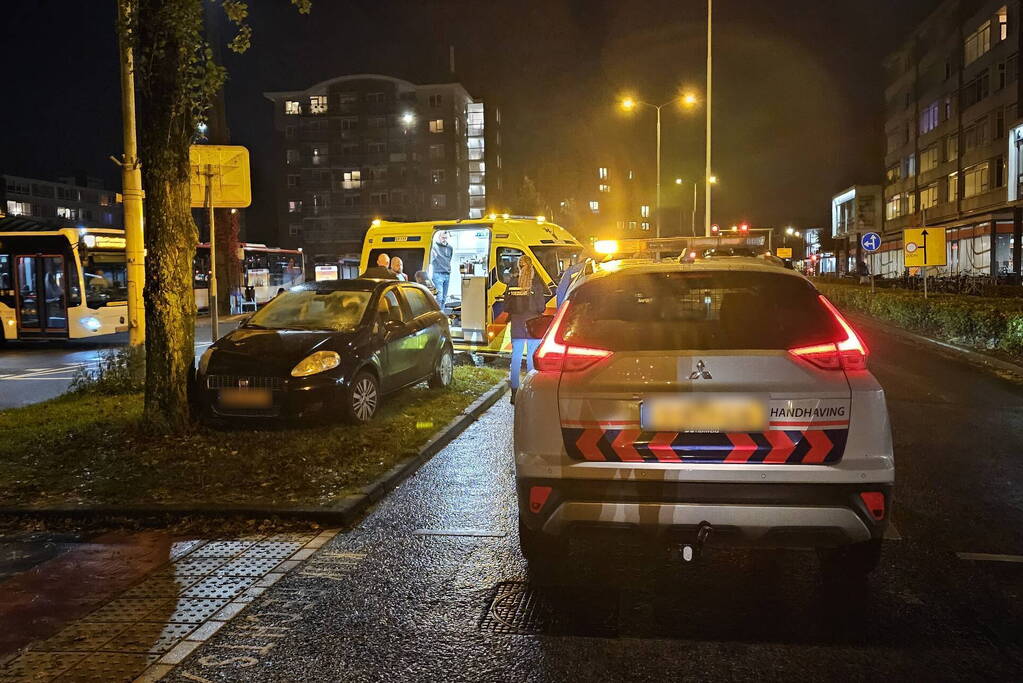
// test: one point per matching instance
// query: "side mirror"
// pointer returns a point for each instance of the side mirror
(539, 325)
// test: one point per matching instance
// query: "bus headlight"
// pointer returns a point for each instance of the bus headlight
(90, 323)
(315, 363)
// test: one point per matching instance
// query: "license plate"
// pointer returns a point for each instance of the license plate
(699, 414)
(246, 398)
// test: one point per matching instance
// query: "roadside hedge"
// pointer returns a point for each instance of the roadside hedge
(981, 322)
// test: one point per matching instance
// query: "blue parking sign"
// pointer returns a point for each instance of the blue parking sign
(870, 241)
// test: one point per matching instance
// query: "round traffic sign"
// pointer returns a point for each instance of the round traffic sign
(871, 241)
(911, 247)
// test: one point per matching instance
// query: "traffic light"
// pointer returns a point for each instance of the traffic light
(714, 229)
(744, 229)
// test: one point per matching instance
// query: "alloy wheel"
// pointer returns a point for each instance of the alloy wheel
(445, 368)
(364, 399)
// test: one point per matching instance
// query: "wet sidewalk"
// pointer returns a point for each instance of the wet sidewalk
(123, 605)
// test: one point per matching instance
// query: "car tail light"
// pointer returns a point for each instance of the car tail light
(538, 496)
(554, 355)
(849, 353)
(874, 500)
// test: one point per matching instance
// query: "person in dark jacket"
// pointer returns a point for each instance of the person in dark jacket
(380, 271)
(523, 302)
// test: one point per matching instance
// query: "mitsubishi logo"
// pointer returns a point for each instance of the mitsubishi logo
(700, 372)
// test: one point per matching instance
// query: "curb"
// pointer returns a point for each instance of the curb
(347, 511)
(976, 356)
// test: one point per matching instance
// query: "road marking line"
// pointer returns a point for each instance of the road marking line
(31, 378)
(459, 532)
(990, 557)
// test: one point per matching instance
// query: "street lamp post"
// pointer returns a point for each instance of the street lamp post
(629, 104)
(707, 174)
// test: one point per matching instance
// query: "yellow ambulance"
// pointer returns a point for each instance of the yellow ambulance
(484, 258)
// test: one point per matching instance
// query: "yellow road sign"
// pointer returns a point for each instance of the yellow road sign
(784, 252)
(924, 247)
(229, 166)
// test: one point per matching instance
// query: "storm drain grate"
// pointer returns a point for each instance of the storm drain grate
(515, 607)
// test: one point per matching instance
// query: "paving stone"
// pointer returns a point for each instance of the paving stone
(39, 666)
(193, 610)
(248, 566)
(220, 587)
(153, 638)
(278, 549)
(299, 537)
(193, 565)
(80, 637)
(107, 667)
(162, 586)
(131, 609)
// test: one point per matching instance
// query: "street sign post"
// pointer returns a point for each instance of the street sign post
(219, 179)
(784, 252)
(924, 247)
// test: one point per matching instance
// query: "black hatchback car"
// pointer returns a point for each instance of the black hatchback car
(328, 347)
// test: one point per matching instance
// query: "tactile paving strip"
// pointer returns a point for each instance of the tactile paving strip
(107, 667)
(273, 549)
(161, 586)
(193, 565)
(219, 587)
(222, 549)
(515, 607)
(131, 609)
(39, 666)
(248, 566)
(81, 637)
(154, 638)
(193, 610)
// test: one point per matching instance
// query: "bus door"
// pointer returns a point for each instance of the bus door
(41, 299)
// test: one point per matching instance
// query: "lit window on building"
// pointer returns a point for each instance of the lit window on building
(631, 176)
(595, 206)
(929, 118)
(19, 208)
(437, 176)
(602, 173)
(352, 180)
(1003, 23)
(975, 180)
(632, 225)
(929, 158)
(894, 173)
(893, 207)
(291, 156)
(437, 126)
(953, 186)
(439, 201)
(929, 196)
(318, 104)
(909, 166)
(295, 206)
(952, 147)
(604, 188)
(317, 157)
(644, 211)
(644, 226)
(292, 107)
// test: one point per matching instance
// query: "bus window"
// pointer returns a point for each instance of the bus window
(508, 265)
(106, 278)
(556, 260)
(6, 278)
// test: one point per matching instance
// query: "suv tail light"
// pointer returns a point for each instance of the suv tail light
(554, 355)
(849, 353)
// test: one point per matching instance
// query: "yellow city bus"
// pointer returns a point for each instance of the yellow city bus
(483, 264)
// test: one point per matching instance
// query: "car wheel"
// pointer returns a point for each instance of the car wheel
(363, 397)
(851, 561)
(444, 370)
(543, 552)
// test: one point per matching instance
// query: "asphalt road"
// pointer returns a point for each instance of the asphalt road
(36, 371)
(431, 585)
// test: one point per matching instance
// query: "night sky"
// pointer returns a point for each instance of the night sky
(797, 103)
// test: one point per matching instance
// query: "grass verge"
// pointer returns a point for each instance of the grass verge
(83, 449)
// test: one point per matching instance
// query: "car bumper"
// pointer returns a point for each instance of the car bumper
(765, 515)
(290, 400)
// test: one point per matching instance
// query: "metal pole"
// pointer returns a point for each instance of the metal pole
(131, 191)
(710, 81)
(658, 172)
(214, 313)
(695, 185)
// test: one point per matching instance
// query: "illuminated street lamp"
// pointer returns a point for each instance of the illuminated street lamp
(630, 104)
(408, 118)
(789, 230)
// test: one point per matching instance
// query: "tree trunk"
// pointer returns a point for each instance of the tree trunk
(168, 38)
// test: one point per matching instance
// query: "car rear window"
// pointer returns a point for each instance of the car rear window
(725, 310)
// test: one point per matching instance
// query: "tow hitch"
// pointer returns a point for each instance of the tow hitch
(692, 551)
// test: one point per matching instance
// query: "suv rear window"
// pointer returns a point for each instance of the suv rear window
(698, 311)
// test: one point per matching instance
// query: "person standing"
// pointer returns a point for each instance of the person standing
(398, 268)
(440, 263)
(523, 302)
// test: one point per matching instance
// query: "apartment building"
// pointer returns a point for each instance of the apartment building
(358, 147)
(73, 200)
(953, 134)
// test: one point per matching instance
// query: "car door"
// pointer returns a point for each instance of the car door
(399, 339)
(426, 330)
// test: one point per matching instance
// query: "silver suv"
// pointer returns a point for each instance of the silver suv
(719, 402)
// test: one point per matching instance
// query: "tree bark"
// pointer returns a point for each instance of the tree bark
(166, 129)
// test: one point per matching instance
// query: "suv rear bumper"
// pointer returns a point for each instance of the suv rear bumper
(767, 515)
